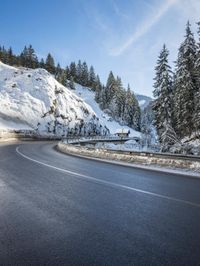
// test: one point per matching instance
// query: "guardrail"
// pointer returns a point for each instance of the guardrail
(157, 154)
(131, 152)
(93, 139)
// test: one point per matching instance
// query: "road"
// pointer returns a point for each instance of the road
(57, 209)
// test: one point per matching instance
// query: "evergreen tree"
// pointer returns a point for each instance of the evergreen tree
(168, 137)
(196, 117)
(98, 89)
(49, 64)
(24, 57)
(110, 89)
(71, 83)
(58, 72)
(132, 110)
(42, 63)
(32, 61)
(11, 59)
(67, 73)
(79, 72)
(84, 75)
(72, 70)
(92, 78)
(163, 92)
(185, 87)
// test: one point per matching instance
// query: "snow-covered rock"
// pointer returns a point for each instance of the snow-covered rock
(34, 99)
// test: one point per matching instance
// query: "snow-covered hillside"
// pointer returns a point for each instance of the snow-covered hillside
(87, 96)
(32, 98)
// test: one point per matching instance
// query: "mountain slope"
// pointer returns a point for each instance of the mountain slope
(34, 98)
(143, 100)
(88, 96)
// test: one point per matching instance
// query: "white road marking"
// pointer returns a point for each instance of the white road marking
(82, 176)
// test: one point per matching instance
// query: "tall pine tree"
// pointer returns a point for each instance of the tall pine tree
(185, 87)
(162, 106)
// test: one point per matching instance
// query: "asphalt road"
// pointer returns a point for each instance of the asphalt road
(57, 209)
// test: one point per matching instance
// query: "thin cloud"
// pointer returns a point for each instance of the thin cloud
(118, 12)
(144, 28)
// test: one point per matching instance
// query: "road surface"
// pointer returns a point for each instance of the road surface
(57, 209)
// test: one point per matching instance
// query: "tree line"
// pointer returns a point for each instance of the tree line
(177, 93)
(120, 103)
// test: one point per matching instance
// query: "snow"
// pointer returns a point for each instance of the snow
(87, 95)
(142, 102)
(11, 125)
(33, 98)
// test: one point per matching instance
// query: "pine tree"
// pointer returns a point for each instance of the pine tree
(79, 71)
(67, 73)
(32, 61)
(132, 110)
(117, 104)
(185, 86)
(110, 88)
(58, 72)
(92, 78)
(163, 92)
(49, 64)
(168, 137)
(72, 70)
(42, 63)
(11, 59)
(71, 83)
(84, 75)
(196, 117)
(24, 57)
(98, 89)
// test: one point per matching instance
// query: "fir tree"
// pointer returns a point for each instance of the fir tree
(196, 117)
(168, 137)
(92, 78)
(98, 89)
(42, 63)
(110, 88)
(71, 83)
(84, 75)
(49, 64)
(79, 72)
(163, 92)
(185, 87)
(132, 110)
(72, 70)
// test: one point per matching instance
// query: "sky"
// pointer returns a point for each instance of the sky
(124, 36)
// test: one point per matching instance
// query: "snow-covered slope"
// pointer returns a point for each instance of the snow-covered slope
(34, 99)
(87, 96)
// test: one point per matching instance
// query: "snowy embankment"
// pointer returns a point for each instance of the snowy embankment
(88, 96)
(33, 99)
(142, 159)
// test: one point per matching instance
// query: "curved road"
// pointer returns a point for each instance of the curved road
(57, 209)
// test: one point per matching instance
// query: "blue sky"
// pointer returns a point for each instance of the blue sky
(120, 35)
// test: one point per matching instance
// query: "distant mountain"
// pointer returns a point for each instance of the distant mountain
(143, 100)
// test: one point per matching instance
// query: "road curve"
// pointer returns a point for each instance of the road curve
(57, 209)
